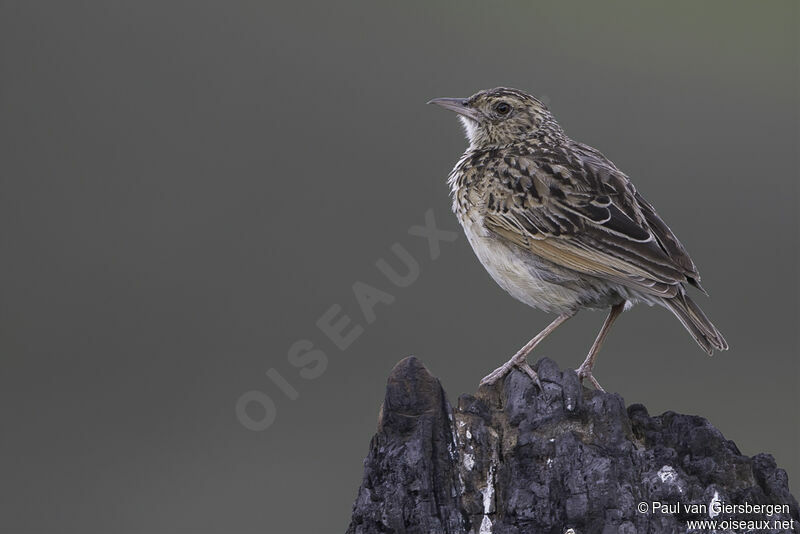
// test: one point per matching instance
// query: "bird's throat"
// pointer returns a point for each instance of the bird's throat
(470, 129)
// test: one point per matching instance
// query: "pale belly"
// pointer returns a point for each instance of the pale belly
(535, 281)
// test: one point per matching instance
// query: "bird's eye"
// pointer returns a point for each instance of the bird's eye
(502, 108)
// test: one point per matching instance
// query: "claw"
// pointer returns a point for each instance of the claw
(587, 373)
(504, 369)
(531, 373)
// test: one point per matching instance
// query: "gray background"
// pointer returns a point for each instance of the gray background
(187, 187)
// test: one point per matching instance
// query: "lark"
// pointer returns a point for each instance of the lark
(559, 227)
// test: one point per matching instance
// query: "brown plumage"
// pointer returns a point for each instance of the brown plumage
(559, 227)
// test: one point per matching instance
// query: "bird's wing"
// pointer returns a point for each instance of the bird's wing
(574, 208)
(667, 240)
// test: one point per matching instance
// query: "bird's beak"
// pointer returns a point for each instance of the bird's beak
(459, 105)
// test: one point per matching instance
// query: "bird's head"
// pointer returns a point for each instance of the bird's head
(499, 116)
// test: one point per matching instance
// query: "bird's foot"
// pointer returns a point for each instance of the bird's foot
(506, 368)
(585, 371)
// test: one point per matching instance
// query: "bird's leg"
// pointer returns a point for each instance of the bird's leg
(519, 360)
(585, 370)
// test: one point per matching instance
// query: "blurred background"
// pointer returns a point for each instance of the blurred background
(187, 187)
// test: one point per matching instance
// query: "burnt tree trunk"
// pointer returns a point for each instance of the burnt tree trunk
(517, 459)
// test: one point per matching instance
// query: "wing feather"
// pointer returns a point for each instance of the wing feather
(581, 212)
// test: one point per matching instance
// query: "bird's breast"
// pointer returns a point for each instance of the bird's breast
(524, 276)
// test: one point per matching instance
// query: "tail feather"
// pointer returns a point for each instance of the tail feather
(696, 322)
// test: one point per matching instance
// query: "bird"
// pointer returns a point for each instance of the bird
(560, 228)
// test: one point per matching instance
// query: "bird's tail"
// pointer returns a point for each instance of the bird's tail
(696, 322)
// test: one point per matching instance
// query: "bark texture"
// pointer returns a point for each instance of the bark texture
(517, 459)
